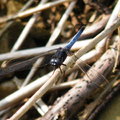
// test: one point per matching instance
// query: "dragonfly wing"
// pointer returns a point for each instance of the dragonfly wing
(24, 65)
(84, 67)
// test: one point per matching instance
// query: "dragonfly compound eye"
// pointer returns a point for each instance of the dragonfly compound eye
(55, 62)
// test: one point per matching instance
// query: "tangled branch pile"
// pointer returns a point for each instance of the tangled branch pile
(29, 28)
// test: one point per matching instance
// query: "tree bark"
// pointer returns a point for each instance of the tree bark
(74, 99)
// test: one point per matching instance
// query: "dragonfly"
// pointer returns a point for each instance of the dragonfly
(56, 60)
(59, 57)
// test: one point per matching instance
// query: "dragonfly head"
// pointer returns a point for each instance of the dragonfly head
(55, 62)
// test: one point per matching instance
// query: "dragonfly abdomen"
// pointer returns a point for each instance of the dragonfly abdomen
(74, 39)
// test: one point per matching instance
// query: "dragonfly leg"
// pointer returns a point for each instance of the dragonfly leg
(64, 65)
(60, 70)
(53, 72)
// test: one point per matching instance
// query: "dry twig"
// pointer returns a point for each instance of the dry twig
(56, 75)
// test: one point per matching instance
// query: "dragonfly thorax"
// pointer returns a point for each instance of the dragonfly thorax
(58, 58)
